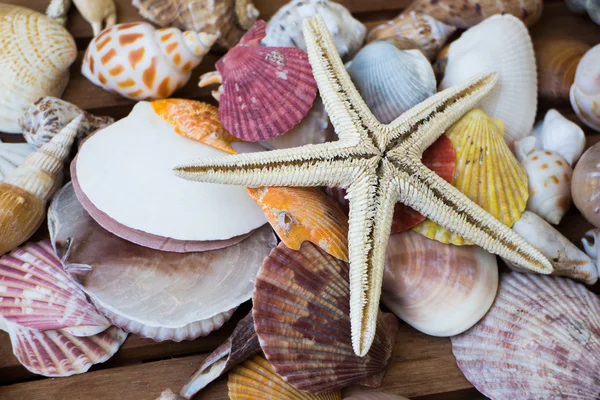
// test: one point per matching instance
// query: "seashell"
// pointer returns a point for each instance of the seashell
(50, 51)
(301, 315)
(486, 172)
(196, 120)
(134, 157)
(582, 6)
(241, 345)
(557, 61)
(97, 12)
(229, 19)
(168, 395)
(391, 81)
(441, 61)
(273, 85)
(565, 257)
(284, 29)
(585, 185)
(465, 15)
(500, 44)
(39, 294)
(140, 62)
(48, 116)
(590, 244)
(538, 341)
(12, 155)
(561, 136)
(439, 289)
(585, 92)
(256, 379)
(375, 396)
(25, 191)
(299, 214)
(429, 34)
(150, 292)
(57, 10)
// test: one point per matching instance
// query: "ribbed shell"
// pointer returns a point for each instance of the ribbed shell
(540, 340)
(266, 90)
(301, 315)
(585, 92)
(391, 81)
(585, 185)
(38, 293)
(301, 214)
(486, 172)
(12, 155)
(36, 55)
(256, 379)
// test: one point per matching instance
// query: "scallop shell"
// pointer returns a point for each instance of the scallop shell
(229, 19)
(299, 214)
(157, 294)
(500, 44)
(285, 27)
(540, 340)
(12, 155)
(557, 61)
(44, 71)
(301, 316)
(439, 289)
(101, 14)
(585, 185)
(426, 32)
(558, 134)
(256, 379)
(266, 90)
(464, 15)
(391, 81)
(582, 6)
(140, 62)
(585, 92)
(486, 172)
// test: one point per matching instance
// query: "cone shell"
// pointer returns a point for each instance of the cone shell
(36, 55)
(12, 155)
(585, 92)
(486, 172)
(538, 341)
(256, 379)
(270, 85)
(557, 61)
(428, 33)
(585, 185)
(196, 120)
(391, 81)
(301, 214)
(301, 316)
(500, 44)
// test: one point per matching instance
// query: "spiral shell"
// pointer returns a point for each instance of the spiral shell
(558, 134)
(12, 155)
(585, 185)
(585, 92)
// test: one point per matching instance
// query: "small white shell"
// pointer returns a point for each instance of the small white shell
(12, 155)
(592, 7)
(558, 134)
(585, 92)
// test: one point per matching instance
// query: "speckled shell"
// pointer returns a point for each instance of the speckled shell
(582, 6)
(285, 27)
(299, 214)
(228, 18)
(12, 155)
(540, 340)
(500, 44)
(585, 185)
(48, 116)
(426, 32)
(140, 62)
(558, 134)
(439, 289)
(585, 92)
(256, 379)
(486, 172)
(36, 55)
(96, 12)
(391, 81)
(301, 315)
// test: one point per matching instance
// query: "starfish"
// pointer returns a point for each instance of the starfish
(378, 165)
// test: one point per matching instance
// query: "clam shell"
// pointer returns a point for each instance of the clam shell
(256, 379)
(585, 92)
(500, 44)
(582, 6)
(285, 27)
(12, 155)
(301, 316)
(585, 185)
(558, 134)
(540, 340)
(38, 293)
(439, 289)
(266, 90)
(36, 55)
(486, 172)
(391, 81)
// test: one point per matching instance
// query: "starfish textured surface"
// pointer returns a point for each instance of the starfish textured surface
(378, 165)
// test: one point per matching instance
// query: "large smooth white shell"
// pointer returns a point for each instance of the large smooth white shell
(558, 134)
(499, 44)
(585, 92)
(132, 161)
(12, 155)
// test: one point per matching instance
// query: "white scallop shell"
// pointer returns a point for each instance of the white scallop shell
(12, 155)
(585, 92)
(558, 134)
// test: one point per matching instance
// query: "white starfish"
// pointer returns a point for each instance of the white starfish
(378, 165)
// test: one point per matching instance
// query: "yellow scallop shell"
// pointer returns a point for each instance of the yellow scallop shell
(486, 172)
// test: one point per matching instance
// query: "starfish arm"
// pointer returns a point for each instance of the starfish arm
(426, 192)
